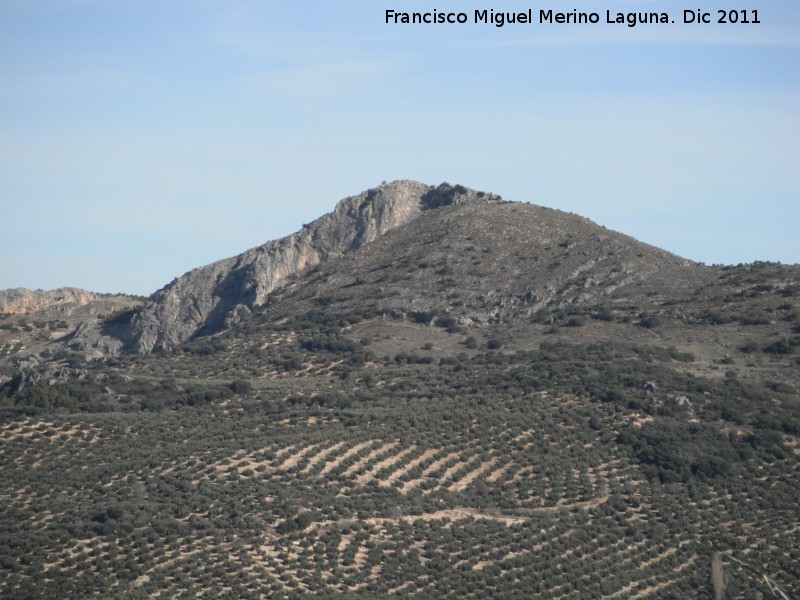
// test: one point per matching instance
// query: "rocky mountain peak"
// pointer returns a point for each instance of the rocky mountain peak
(218, 295)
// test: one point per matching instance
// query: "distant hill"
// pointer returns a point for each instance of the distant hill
(428, 392)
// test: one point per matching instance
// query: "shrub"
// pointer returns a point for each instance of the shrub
(779, 347)
(446, 321)
(240, 386)
(650, 322)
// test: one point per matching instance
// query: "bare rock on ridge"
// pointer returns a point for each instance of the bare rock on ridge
(24, 301)
(212, 297)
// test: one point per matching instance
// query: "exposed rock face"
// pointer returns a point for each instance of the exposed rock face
(94, 337)
(24, 301)
(209, 298)
(42, 369)
(34, 321)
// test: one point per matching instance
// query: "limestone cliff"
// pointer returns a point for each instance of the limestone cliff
(24, 301)
(212, 297)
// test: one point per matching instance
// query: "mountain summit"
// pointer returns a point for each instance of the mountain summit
(209, 298)
(421, 253)
(512, 260)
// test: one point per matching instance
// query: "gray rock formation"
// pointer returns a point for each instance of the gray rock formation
(95, 337)
(90, 322)
(215, 296)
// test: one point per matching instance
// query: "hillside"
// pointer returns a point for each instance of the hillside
(450, 396)
(36, 323)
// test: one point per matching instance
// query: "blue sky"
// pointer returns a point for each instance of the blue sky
(139, 138)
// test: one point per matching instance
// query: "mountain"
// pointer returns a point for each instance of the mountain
(428, 392)
(210, 298)
(578, 261)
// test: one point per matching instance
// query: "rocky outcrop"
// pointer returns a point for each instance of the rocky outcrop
(98, 337)
(215, 296)
(24, 301)
(33, 321)
(44, 369)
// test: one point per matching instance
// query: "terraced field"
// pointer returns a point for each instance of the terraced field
(228, 500)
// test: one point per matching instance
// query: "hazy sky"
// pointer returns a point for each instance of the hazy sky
(142, 138)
